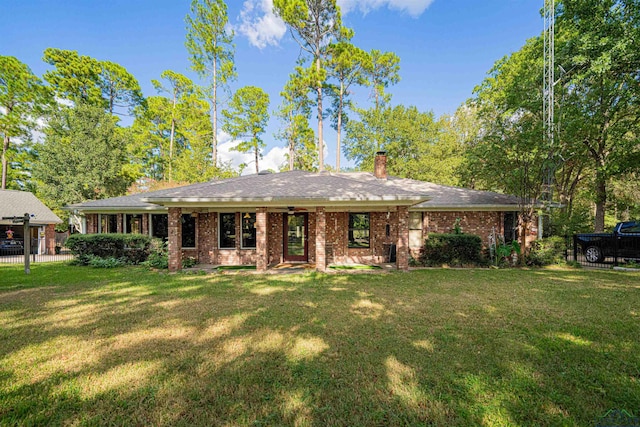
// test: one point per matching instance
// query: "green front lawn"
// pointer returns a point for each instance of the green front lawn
(442, 347)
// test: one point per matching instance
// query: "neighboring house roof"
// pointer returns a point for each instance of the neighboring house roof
(17, 203)
(306, 189)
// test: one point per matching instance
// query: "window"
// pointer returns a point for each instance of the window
(510, 226)
(133, 224)
(108, 223)
(160, 226)
(188, 231)
(249, 230)
(630, 228)
(415, 230)
(358, 230)
(227, 231)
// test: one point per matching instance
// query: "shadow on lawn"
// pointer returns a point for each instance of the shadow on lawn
(429, 347)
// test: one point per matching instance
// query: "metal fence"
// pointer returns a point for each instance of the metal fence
(620, 250)
(12, 251)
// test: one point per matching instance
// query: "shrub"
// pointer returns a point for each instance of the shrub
(110, 262)
(456, 249)
(188, 262)
(550, 250)
(131, 248)
(158, 256)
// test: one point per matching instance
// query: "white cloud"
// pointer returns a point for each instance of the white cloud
(412, 7)
(259, 24)
(273, 159)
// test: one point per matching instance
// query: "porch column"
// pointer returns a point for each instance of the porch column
(402, 248)
(321, 239)
(145, 224)
(50, 238)
(175, 239)
(262, 254)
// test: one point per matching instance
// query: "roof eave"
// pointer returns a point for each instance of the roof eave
(279, 202)
(98, 209)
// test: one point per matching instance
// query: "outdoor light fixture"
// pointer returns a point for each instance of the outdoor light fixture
(291, 210)
(247, 216)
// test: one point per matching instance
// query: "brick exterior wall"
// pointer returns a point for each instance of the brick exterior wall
(402, 252)
(92, 223)
(145, 223)
(262, 252)
(207, 238)
(320, 239)
(330, 228)
(478, 223)
(275, 233)
(175, 239)
(338, 251)
(50, 238)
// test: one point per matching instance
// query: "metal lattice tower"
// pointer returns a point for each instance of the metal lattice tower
(547, 92)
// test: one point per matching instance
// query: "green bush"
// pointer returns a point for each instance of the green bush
(130, 248)
(158, 256)
(547, 251)
(110, 262)
(453, 249)
(188, 262)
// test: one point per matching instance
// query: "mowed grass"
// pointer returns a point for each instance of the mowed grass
(83, 346)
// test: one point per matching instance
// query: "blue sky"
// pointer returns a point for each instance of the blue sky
(445, 47)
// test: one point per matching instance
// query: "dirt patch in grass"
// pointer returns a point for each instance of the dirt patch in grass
(429, 347)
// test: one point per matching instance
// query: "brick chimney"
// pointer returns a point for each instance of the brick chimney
(380, 166)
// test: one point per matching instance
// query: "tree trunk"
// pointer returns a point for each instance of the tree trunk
(5, 149)
(601, 202)
(257, 156)
(339, 127)
(214, 119)
(320, 136)
(292, 142)
(173, 129)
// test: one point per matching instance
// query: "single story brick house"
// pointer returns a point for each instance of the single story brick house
(14, 203)
(322, 218)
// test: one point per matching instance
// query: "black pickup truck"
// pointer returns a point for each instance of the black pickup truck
(624, 242)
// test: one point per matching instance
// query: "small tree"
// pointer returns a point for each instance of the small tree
(176, 86)
(210, 45)
(347, 65)
(83, 157)
(294, 113)
(314, 24)
(247, 119)
(21, 96)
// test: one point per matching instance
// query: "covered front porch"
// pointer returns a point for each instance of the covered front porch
(270, 236)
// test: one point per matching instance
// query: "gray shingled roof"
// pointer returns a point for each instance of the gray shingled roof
(17, 203)
(297, 188)
(293, 186)
(451, 198)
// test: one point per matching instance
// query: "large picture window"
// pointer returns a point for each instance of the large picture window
(160, 226)
(358, 230)
(249, 230)
(415, 230)
(188, 231)
(134, 224)
(108, 223)
(227, 231)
